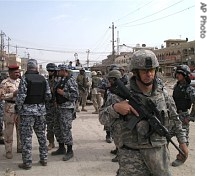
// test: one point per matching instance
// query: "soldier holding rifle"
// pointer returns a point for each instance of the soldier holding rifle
(143, 148)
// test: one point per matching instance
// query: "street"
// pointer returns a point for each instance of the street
(91, 153)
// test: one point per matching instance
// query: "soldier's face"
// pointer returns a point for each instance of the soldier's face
(147, 75)
(15, 74)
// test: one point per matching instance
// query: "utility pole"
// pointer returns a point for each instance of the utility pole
(2, 49)
(8, 39)
(88, 52)
(113, 52)
(118, 43)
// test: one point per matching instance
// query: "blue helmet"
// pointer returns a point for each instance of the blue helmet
(63, 67)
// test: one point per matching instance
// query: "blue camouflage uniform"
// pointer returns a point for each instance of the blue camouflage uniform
(32, 115)
(66, 112)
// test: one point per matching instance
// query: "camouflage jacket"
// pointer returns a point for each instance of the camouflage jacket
(135, 138)
(71, 93)
(30, 109)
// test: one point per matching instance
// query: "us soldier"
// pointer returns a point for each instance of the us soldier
(33, 92)
(103, 89)
(66, 93)
(111, 99)
(139, 155)
(96, 96)
(82, 82)
(11, 118)
(124, 78)
(184, 97)
(51, 105)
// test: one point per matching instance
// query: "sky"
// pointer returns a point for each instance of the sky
(53, 31)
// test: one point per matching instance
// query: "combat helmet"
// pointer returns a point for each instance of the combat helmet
(63, 67)
(143, 59)
(113, 67)
(183, 69)
(51, 67)
(93, 73)
(114, 74)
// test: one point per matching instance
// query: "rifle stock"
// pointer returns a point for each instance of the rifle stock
(146, 109)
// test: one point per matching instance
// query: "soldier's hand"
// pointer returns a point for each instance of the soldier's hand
(124, 108)
(184, 148)
(60, 91)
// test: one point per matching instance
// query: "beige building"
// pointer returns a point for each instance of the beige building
(176, 52)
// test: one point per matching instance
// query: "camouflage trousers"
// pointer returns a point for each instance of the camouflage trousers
(82, 97)
(185, 118)
(27, 125)
(50, 121)
(63, 126)
(144, 162)
(96, 99)
(11, 120)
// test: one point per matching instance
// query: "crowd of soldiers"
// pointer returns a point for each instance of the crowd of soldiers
(51, 105)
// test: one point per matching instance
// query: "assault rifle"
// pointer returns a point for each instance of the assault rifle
(146, 109)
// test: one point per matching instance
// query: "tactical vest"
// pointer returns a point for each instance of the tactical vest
(135, 138)
(36, 88)
(181, 98)
(60, 98)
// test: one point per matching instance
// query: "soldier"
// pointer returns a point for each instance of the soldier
(184, 97)
(11, 118)
(82, 82)
(33, 92)
(102, 88)
(66, 93)
(139, 155)
(51, 105)
(124, 78)
(1, 122)
(96, 96)
(111, 98)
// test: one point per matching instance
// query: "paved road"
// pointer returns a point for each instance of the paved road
(91, 154)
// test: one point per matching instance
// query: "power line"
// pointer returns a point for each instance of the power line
(57, 51)
(151, 14)
(161, 17)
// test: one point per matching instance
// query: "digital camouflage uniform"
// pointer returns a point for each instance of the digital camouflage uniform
(66, 113)
(187, 114)
(140, 156)
(10, 117)
(32, 116)
(51, 108)
(104, 86)
(184, 97)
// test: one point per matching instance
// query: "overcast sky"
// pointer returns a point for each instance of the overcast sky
(52, 31)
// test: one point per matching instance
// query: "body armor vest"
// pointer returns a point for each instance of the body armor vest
(60, 98)
(182, 100)
(36, 89)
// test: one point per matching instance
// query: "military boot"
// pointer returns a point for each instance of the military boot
(69, 153)
(83, 109)
(108, 137)
(61, 150)
(177, 163)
